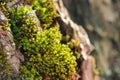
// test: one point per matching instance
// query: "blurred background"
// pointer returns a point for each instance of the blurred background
(101, 19)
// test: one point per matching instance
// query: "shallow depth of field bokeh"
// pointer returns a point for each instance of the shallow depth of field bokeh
(101, 19)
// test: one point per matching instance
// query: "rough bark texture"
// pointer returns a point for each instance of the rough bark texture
(8, 46)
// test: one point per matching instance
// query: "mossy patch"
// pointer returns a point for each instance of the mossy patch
(45, 56)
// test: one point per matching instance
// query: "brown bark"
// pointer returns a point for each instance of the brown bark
(88, 69)
(8, 46)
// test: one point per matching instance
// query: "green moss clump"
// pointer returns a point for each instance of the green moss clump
(45, 56)
(46, 12)
(17, 19)
(49, 57)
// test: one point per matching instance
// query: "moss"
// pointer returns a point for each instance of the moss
(45, 56)
(5, 26)
(4, 9)
(17, 18)
(5, 23)
(49, 58)
(4, 66)
(46, 12)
